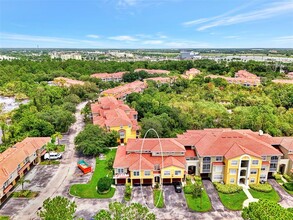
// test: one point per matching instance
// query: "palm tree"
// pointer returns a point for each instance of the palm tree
(22, 181)
(57, 136)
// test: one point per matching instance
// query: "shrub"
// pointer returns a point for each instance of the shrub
(288, 178)
(261, 187)
(104, 184)
(197, 178)
(227, 188)
(277, 176)
(288, 186)
(188, 189)
(127, 193)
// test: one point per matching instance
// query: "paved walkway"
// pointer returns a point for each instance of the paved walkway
(63, 174)
(286, 198)
(214, 196)
(249, 196)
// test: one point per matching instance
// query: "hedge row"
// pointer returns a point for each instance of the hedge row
(277, 176)
(227, 188)
(288, 178)
(261, 187)
(288, 186)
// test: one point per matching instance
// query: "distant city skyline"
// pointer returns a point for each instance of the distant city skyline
(146, 24)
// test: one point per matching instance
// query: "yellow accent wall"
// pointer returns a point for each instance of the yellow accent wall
(172, 170)
(229, 166)
(129, 133)
(141, 175)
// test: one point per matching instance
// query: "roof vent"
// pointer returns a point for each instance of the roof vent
(260, 132)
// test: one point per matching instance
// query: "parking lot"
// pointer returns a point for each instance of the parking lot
(143, 195)
(173, 199)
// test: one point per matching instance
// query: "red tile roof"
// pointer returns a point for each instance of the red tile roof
(62, 81)
(159, 79)
(154, 145)
(190, 153)
(283, 81)
(245, 74)
(265, 162)
(108, 75)
(152, 71)
(286, 142)
(126, 89)
(13, 156)
(192, 72)
(251, 81)
(108, 111)
(219, 142)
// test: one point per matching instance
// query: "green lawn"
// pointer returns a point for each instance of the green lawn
(158, 198)
(272, 196)
(233, 201)
(50, 162)
(60, 148)
(25, 194)
(89, 190)
(195, 203)
(4, 217)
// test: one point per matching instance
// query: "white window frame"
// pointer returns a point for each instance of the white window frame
(232, 173)
(136, 173)
(167, 172)
(234, 163)
(252, 180)
(232, 180)
(254, 162)
(218, 169)
(120, 170)
(218, 177)
(178, 172)
(263, 168)
(147, 172)
(253, 171)
(219, 158)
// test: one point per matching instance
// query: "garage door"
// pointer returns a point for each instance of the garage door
(176, 180)
(121, 181)
(136, 182)
(147, 181)
(166, 181)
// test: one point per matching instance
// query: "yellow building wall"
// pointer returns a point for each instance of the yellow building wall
(129, 133)
(172, 170)
(141, 175)
(228, 163)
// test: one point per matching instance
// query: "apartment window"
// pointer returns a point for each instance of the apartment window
(177, 172)
(120, 170)
(135, 173)
(219, 159)
(252, 180)
(167, 172)
(157, 167)
(234, 162)
(263, 176)
(253, 171)
(218, 177)
(147, 173)
(274, 158)
(206, 167)
(264, 158)
(232, 180)
(206, 159)
(233, 171)
(218, 168)
(263, 168)
(254, 162)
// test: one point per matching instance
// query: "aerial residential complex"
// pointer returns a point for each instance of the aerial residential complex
(108, 77)
(19, 159)
(222, 155)
(121, 92)
(63, 81)
(113, 114)
(153, 71)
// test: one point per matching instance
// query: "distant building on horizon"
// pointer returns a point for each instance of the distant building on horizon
(189, 55)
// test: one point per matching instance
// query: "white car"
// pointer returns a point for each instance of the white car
(52, 156)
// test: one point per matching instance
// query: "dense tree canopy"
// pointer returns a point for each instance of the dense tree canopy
(265, 209)
(58, 208)
(94, 140)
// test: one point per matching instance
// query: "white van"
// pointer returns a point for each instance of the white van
(52, 156)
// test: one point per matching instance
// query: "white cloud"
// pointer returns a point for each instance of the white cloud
(153, 42)
(127, 2)
(93, 36)
(123, 38)
(271, 10)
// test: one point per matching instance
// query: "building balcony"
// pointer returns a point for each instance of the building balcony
(206, 171)
(273, 169)
(121, 175)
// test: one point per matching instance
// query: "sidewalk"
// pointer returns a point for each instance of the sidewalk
(249, 196)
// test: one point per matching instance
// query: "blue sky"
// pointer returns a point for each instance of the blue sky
(146, 23)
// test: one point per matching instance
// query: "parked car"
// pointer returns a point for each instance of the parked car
(52, 156)
(178, 187)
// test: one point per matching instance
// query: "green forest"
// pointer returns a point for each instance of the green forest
(171, 109)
